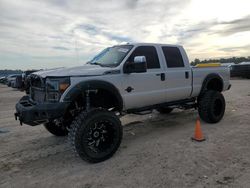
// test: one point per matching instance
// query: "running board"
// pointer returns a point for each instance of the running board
(143, 112)
(185, 103)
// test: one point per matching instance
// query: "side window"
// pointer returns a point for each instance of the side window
(150, 53)
(173, 57)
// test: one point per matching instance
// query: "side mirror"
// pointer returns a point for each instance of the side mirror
(139, 59)
(139, 65)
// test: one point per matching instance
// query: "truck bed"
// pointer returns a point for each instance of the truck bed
(200, 73)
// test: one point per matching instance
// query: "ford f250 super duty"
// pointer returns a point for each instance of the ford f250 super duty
(86, 102)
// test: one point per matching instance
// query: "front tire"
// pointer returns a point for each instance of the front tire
(95, 135)
(56, 130)
(211, 106)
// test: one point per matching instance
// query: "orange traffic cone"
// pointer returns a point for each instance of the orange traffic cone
(198, 136)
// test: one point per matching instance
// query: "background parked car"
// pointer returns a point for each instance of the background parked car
(3, 80)
(24, 86)
(10, 79)
(18, 83)
(240, 70)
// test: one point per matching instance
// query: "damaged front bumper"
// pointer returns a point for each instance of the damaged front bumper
(31, 113)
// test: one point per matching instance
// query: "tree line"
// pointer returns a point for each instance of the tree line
(235, 60)
(8, 72)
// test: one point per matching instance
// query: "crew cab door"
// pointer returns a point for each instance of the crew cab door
(147, 88)
(178, 73)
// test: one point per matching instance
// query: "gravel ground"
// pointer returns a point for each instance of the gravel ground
(156, 150)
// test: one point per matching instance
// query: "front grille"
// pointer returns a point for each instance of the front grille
(37, 94)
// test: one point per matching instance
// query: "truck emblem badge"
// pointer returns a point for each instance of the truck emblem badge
(129, 89)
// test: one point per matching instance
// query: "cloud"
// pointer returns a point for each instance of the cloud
(69, 32)
(92, 31)
(236, 48)
(60, 48)
(131, 3)
(186, 32)
(236, 26)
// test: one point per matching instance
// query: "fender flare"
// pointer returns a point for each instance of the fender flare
(208, 78)
(92, 85)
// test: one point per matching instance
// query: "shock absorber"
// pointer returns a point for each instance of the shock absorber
(87, 97)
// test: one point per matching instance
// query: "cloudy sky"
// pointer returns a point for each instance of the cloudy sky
(58, 33)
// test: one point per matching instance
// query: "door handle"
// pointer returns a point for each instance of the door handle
(162, 75)
(186, 74)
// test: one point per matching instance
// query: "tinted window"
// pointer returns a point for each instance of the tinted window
(173, 57)
(150, 53)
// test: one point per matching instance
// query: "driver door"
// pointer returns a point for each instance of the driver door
(147, 88)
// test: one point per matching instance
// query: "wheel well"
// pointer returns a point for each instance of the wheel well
(101, 98)
(106, 99)
(214, 84)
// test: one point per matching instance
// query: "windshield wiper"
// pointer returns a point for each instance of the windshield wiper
(95, 63)
(102, 65)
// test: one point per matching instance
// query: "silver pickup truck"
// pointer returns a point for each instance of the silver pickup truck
(86, 102)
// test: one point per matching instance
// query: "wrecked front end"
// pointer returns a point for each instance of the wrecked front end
(42, 104)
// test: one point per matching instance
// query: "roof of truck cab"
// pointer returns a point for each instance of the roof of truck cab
(149, 44)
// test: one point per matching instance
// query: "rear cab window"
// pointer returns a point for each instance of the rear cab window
(173, 57)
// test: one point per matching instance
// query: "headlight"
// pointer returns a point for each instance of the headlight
(55, 87)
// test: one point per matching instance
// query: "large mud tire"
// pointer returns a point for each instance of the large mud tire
(95, 135)
(211, 106)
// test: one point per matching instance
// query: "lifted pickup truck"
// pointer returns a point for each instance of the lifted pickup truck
(86, 102)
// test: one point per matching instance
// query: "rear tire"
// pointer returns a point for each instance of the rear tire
(164, 110)
(95, 135)
(211, 106)
(56, 130)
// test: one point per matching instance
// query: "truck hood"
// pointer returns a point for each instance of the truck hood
(85, 70)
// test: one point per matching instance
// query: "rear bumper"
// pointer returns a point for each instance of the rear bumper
(33, 114)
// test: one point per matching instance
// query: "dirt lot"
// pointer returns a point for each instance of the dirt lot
(156, 150)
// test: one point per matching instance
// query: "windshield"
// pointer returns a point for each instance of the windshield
(111, 56)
